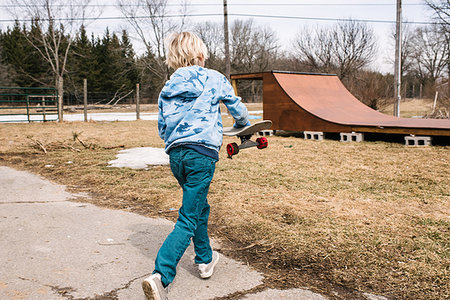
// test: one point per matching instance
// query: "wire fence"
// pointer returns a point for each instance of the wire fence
(18, 104)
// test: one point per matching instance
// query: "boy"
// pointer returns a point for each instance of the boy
(190, 124)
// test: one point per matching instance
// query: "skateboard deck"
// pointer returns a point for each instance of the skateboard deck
(245, 134)
(247, 130)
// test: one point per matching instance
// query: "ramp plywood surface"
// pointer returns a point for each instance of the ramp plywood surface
(320, 102)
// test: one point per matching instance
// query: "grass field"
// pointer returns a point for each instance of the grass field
(411, 108)
(340, 218)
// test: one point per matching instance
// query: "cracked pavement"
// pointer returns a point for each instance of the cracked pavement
(52, 247)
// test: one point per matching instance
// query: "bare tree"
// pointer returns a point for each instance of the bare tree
(407, 56)
(315, 49)
(407, 49)
(56, 20)
(354, 47)
(252, 47)
(441, 10)
(431, 52)
(151, 22)
(344, 48)
(212, 35)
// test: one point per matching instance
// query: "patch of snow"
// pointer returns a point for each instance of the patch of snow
(99, 117)
(111, 117)
(140, 158)
(255, 112)
(24, 118)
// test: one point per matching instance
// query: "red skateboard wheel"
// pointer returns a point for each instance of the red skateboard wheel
(232, 149)
(262, 143)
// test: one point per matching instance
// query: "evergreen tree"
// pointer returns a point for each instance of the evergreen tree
(129, 61)
(80, 64)
(6, 73)
(17, 53)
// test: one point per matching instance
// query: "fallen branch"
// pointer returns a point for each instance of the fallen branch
(76, 137)
(71, 148)
(115, 103)
(39, 144)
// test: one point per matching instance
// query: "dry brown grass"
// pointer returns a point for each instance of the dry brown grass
(370, 217)
(411, 107)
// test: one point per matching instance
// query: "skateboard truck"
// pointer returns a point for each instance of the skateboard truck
(246, 142)
(245, 134)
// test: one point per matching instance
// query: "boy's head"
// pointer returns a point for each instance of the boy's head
(185, 49)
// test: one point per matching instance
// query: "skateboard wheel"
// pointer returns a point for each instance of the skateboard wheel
(262, 143)
(232, 149)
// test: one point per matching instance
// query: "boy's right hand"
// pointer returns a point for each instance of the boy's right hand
(236, 125)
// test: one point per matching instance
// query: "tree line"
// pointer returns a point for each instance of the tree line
(107, 62)
(46, 53)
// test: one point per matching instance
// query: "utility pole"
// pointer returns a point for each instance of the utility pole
(226, 39)
(398, 59)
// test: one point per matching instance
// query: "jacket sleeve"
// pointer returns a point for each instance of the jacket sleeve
(236, 108)
(161, 121)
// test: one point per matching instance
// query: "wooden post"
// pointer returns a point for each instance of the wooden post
(435, 100)
(398, 59)
(85, 99)
(138, 107)
(234, 84)
(28, 108)
(43, 109)
(226, 39)
(60, 86)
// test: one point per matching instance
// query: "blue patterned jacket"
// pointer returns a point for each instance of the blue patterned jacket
(189, 111)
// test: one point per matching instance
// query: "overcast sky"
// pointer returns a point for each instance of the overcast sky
(287, 17)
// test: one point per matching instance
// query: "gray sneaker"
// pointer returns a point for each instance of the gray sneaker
(153, 288)
(206, 270)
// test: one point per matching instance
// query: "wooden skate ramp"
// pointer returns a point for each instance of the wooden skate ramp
(320, 102)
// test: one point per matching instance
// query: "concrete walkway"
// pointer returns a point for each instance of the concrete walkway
(54, 248)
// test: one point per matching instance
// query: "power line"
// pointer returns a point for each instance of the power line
(333, 19)
(218, 4)
(115, 18)
(233, 14)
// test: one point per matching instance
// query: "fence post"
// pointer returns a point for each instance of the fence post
(28, 109)
(43, 109)
(85, 99)
(138, 108)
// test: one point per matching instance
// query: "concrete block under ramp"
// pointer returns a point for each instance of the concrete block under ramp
(265, 133)
(313, 135)
(413, 140)
(352, 137)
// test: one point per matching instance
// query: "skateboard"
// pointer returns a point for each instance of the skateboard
(245, 134)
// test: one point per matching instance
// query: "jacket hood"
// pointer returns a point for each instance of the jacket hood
(185, 82)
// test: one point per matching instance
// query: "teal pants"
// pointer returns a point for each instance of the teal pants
(194, 172)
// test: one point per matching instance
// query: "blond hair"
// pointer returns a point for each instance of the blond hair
(184, 49)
